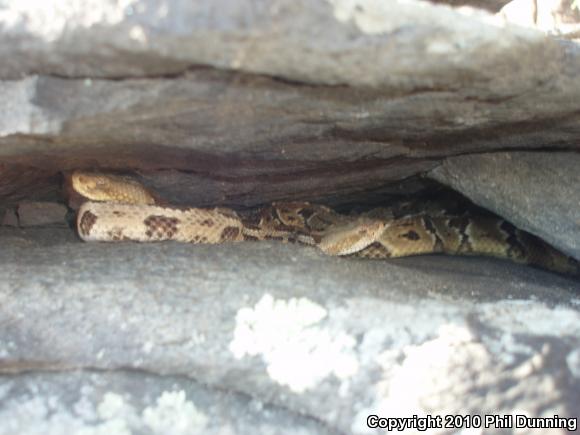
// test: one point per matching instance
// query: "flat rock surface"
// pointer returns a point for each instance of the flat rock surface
(133, 403)
(538, 192)
(328, 338)
(9, 218)
(40, 213)
(325, 42)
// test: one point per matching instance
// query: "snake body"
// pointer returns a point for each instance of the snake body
(119, 208)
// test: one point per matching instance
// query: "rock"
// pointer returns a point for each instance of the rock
(538, 192)
(327, 338)
(182, 133)
(10, 219)
(412, 46)
(22, 182)
(251, 114)
(243, 102)
(489, 5)
(135, 403)
(559, 17)
(33, 214)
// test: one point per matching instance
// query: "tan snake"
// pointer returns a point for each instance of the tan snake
(119, 208)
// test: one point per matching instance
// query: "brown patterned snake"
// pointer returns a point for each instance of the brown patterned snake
(119, 208)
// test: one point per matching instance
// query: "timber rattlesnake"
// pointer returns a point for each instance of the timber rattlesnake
(119, 208)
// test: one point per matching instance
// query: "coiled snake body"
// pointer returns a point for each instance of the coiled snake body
(119, 208)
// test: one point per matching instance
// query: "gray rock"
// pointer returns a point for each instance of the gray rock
(349, 97)
(224, 142)
(28, 183)
(9, 218)
(328, 338)
(489, 5)
(538, 192)
(38, 213)
(125, 402)
(244, 102)
(412, 46)
(559, 17)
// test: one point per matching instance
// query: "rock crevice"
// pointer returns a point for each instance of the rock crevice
(238, 103)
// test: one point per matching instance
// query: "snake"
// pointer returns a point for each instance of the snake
(119, 208)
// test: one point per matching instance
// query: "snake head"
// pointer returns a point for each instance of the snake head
(91, 185)
(96, 186)
(352, 237)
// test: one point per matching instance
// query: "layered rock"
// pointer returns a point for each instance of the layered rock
(331, 339)
(240, 103)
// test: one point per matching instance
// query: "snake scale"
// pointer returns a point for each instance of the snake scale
(118, 208)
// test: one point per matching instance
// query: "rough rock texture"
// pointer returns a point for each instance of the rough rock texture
(316, 41)
(9, 218)
(489, 5)
(328, 338)
(36, 213)
(539, 192)
(135, 86)
(243, 102)
(125, 403)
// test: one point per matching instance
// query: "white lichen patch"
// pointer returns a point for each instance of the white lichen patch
(49, 416)
(457, 29)
(429, 376)
(370, 16)
(298, 352)
(51, 19)
(112, 406)
(426, 374)
(174, 414)
(116, 416)
(112, 415)
(507, 347)
(147, 347)
(383, 16)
